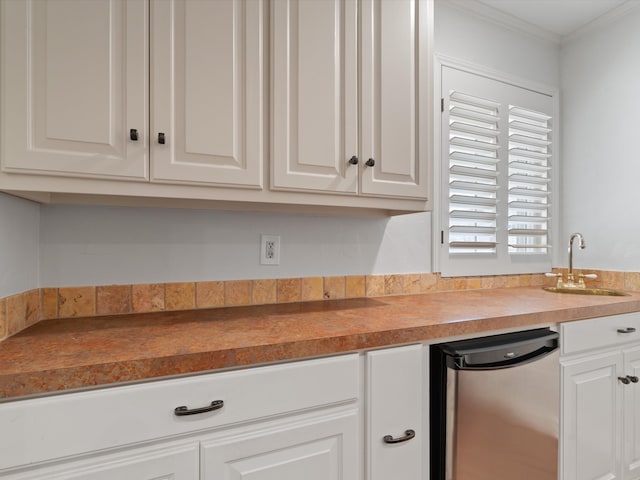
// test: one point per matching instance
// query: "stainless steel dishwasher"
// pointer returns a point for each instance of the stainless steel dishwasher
(494, 405)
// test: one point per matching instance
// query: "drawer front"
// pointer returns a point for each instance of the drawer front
(599, 333)
(59, 426)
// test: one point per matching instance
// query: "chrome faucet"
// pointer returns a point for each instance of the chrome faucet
(581, 245)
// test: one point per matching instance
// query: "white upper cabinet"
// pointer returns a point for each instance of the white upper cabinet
(321, 140)
(207, 98)
(314, 104)
(396, 69)
(73, 85)
(326, 101)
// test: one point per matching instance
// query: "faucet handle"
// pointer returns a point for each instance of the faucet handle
(588, 275)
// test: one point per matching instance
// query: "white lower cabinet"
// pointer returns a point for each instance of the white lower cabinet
(288, 421)
(347, 417)
(631, 420)
(396, 413)
(592, 417)
(600, 434)
(175, 461)
(319, 448)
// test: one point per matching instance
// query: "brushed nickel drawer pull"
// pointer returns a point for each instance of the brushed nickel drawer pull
(408, 435)
(626, 330)
(182, 411)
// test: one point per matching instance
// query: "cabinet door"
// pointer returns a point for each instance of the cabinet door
(591, 417)
(395, 404)
(176, 462)
(324, 448)
(314, 95)
(207, 97)
(631, 416)
(73, 84)
(395, 91)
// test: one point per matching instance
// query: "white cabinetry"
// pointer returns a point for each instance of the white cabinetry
(601, 393)
(273, 423)
(396, 116)
(314, 104)
(172, 96)
(316, 448)
(76, 90)
(591, 417)
(207, 91)
(176, 461)
(74, 81)
(317, 141)
(397, 436)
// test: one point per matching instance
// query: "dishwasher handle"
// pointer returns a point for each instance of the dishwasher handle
(502, 351)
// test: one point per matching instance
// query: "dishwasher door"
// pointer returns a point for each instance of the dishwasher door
(495, 407)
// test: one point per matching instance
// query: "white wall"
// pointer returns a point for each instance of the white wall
(601, 157)
(19, 245)
(470, 37)
(110, 245)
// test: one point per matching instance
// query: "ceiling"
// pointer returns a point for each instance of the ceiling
(561, 17)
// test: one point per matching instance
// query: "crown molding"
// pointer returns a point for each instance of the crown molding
(503, 19)
(602, 21)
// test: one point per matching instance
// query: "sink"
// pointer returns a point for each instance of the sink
(586, 291)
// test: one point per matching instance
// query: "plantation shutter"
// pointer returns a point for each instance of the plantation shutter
(497, 153)
(529, 179)
(473, 175)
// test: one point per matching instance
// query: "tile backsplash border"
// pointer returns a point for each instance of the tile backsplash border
(20, 311)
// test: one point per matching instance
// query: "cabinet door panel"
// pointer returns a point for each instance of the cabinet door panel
(207, 91)
(74, 82)
(591, 417)
(631, 416)
(317, 449)
(395, 404)
(176, 462)
(314, 119)
(395, 60)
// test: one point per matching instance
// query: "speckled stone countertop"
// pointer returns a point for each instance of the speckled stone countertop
(60, 355)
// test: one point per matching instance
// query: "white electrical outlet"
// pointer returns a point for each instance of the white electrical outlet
(270, 249)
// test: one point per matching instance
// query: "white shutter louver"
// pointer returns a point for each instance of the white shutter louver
(529, 178)
(473, 159)
(496, 176)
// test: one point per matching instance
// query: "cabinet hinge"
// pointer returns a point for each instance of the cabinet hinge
(442, 105)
